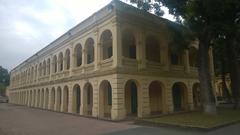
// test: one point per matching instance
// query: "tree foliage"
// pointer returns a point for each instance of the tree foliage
(209, 20)
(4, 76)
(4, 80)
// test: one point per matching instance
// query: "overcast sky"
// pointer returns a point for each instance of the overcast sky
(26, 26)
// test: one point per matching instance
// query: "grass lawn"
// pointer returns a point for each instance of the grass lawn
(197, 119)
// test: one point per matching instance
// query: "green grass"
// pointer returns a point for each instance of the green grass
(197, 119)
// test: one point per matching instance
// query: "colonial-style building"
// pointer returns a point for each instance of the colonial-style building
(116, 63)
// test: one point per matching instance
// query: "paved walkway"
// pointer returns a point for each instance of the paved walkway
(19, 120)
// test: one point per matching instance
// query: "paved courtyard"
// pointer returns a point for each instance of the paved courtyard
(19, 120)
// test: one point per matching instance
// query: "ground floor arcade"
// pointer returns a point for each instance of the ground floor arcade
(114, 96)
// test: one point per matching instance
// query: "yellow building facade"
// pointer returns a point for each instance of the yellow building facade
(115, 64)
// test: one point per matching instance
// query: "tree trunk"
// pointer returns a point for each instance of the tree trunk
(234, 73)
(207, 96)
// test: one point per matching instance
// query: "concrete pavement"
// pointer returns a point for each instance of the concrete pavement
(20, 120)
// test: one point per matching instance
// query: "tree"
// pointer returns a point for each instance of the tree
(4, 80)
(203, 18)
(228, 38)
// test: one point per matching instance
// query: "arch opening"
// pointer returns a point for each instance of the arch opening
(76, 105)
(65, 99)
(46, 98)
(179, 94)
(67, 59)
(58, 99)
(78, 55)
(193, 57)
(55, 64)
(106, 42)
(52, 101)
(131, 98)
(152, 49)
(88, 99)
(129, 45)
(60, 61)
(105, 95)
(89, 46)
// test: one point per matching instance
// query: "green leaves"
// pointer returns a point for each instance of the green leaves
(4, 80)
(4, 76)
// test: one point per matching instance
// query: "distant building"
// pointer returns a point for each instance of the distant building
(219, 86)
(116, 63)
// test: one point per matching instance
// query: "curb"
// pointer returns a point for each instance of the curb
(184, 127)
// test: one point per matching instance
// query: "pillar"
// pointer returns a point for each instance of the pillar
(117, 44)
(84, 58)
(70, 98)
(169, 98)
(36, 98)
(95, 99)
(72, 59)
(141, 50)
(186, 61)
(190, 96)
(118, 111)
(55, 100)
(50, 104)
(143, 99)
(96, 49)
(44, 99)
(83, 107)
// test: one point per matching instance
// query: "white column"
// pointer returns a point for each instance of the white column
(118, 111)
(141, 50)
(143, 100)
(95, 99)
(168, 95)
(62, 100)
(117, 45)
(96, 49)
(186, 61)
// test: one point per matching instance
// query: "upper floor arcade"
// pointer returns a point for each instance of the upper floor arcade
(108, 40)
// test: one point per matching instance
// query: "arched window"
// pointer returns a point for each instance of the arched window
(76, 99)
(176, 56)
(193, 57)
(106, 42)
(36, 67)
(179, 96)
(67, 59)
(44, 67)
(48, 66)
(32, 72)
(78, 55)
(129, 45)
(55, 64)
(152, 49)
(89, 47)
(29, 75)
(88, 91)
(60, 61)
(40, 69)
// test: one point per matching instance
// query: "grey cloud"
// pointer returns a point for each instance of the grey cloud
(16, 48)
